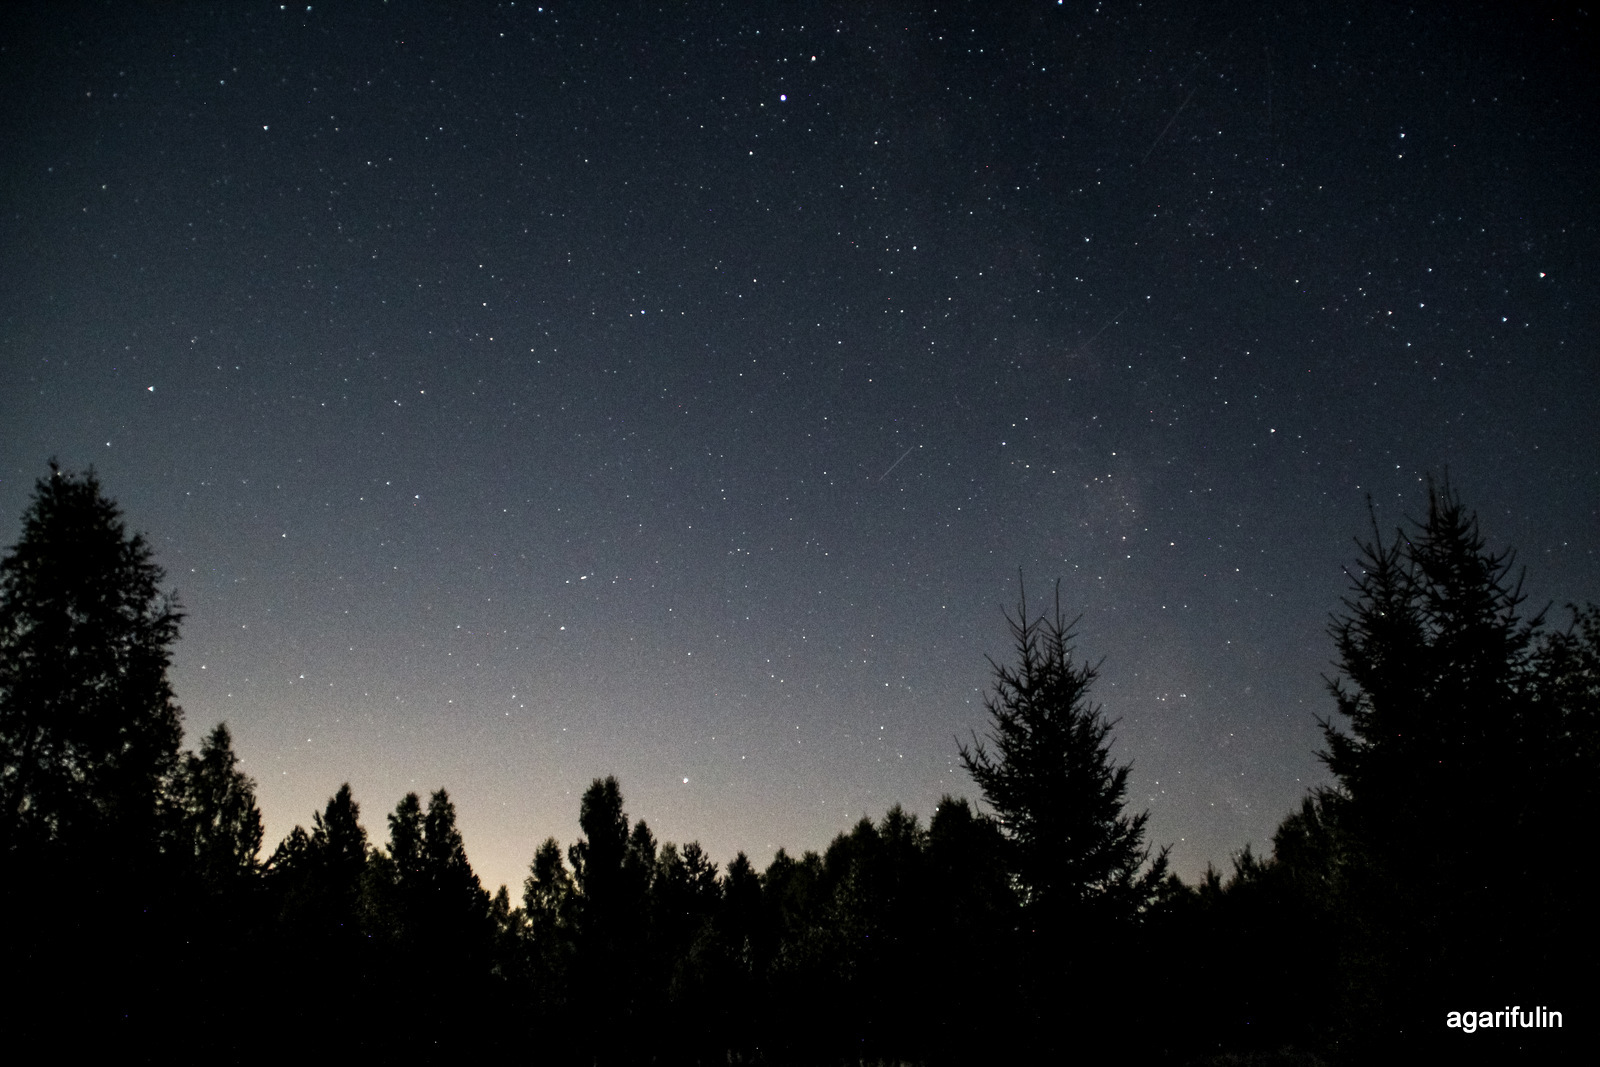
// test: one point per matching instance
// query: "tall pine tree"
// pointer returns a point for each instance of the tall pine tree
(89, 729)
(89, 735)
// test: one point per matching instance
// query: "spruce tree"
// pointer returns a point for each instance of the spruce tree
(549, 900)
(1464, 760)
(423, 896)
(742, 949)
(316, 879)
(89, 729)
(214, 940)
(217, 829)
(456, 916)
(89, 736)
(339, 842)
(405, 840)
(1057, 796)
(1077, 858)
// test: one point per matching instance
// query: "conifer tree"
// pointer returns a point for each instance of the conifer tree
(213, 937)
(1464, 726)
(315, 887)
(549, 900)
(423, 895)
(1077, 858)
(457, 916)
(1057, 796)
(743, 949)
(405, 841)
(1433, 653)
(89, 730)
(741, 925)
(217, 825)
(972, 930)
(607, 914)
(89, 736)
(316, 878)
(701, 874)
(598, 856)
(510, 959)
(639, 864)
(338, 840)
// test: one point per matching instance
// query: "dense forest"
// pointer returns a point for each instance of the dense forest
(145, 915)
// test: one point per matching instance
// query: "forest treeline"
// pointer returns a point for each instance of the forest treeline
(143, 914)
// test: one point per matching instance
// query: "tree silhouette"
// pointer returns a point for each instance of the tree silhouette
(1057, 795)
(639, 864)
(217, 826)
(972, 931)
(1469, 729)
(1467, 754)
(610, 871)
(339, 842)
(1269, 935)
(680, 956)
(217, 926)
(89, 735)
(510, 957)
(1078, 860)
(423, 891)
(445, 932)
(883, 907)
(316, 879)
(454, 909)
(315, 886)
(684, 897)
(735, 969)
(405, 843)
(549, 900)
(88, 726)
(597, 858)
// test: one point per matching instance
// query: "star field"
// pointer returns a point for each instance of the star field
(521, 394)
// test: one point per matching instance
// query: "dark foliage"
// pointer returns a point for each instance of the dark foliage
(89, 735)
(430, 928)
(1056, 793)
(1466, 756)
(1076, 856)
(214, 826)
(1265, 943)
(88, 726)
(1470, 750)
(549, 905)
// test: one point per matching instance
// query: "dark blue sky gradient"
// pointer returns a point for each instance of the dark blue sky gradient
(517, 395)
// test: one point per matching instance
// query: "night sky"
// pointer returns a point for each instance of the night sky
(517, 395)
